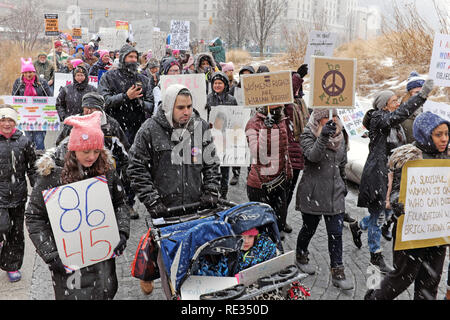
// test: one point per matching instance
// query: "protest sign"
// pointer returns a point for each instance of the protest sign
(112, 38)
(438, 108)
(143, 34)
(51, 24)
(179, 34)
(333, 82)
(228, 132)
(195, 83)
(265, 89)
(352, 120)
(320, 44)
(35, 113)
(425, 193)
(77, 33)
(83, 221)
(121, 25)
(64, 79)
(440, 60)
(195, 286)
(159, 44)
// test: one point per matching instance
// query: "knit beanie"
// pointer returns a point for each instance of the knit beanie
(93, 100)
(423, 126)
(250, 232)
(58, 44)
(414, 81)
(27, 65)
(381, 99)
(321, 113)
(227, 66)
(86, 133)
(6, 111)
(76, 62)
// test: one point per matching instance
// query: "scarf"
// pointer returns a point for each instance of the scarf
(335, 141)
(30, 91)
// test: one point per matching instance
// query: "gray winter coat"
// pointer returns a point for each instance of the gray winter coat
(322, 188)
(153, 174)
(17, 158)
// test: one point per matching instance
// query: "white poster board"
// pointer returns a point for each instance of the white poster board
(195, 286)
(440, 60)
(320, 44)
(64, 79)
(112, 38)
(228, 132)
(439, 108)
(159, 44)
(143, 34)
(352, 120)
(35, 113)
(179, 30)
(195, 83)
(83, 221)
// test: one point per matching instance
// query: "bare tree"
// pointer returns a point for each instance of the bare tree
(232, 15)
(25, 22)
(264, 18)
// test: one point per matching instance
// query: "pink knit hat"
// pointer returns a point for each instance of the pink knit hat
(103, 52)
(27, 65)
(227, 66)
(86, 133)
(251, 232)
(76, 62)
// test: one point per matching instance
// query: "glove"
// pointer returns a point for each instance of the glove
(120, 248)
(209, 200)
(427, 88)
(329, 129)
(269, 121)
(157, 210)
(57, 266)
(303, 70)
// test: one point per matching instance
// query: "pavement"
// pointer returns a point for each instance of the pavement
(36, 282)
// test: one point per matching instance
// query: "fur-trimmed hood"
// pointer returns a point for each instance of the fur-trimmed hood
(401, 155)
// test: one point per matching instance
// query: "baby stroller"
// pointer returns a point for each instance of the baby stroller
(215, 235)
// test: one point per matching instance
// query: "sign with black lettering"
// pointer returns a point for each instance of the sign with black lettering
(51, 24)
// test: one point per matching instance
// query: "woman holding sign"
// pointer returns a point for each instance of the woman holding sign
(423, 266)
(86, 158)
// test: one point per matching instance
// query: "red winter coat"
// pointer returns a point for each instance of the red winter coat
(267, 167)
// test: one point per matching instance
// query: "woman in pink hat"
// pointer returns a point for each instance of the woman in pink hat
(85, 158)
(29, 85)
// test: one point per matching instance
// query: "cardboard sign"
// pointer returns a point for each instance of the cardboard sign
(320, 44)
(266, 268)
(265, 89)
(64, 79)
(195, 83)
(77, 33)
(51, 24)
(35, 113)
(440, 60)
(439, 108)
(180, 31)
(83, 222)
(195, 286)
(352, 120)
(228, 132)
(425, 193)
(333, 82)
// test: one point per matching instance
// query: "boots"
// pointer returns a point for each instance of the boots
(303, 263)
(356, 233)
(377, 260)
(339, 280)
(146, 286)
(223, 193)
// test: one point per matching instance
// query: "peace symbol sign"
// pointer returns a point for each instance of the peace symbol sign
(334, 88)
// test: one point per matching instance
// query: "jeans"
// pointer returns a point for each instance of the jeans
(37, 137)
(334, 226)
(372, 223)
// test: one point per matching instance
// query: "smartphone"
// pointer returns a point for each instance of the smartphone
(138, 84)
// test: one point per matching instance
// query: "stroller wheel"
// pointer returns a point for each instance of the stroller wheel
(226, 294)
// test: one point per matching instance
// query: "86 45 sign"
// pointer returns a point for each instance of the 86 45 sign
(83, 221)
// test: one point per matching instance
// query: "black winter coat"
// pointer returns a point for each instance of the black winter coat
(373, 185)
(98, 281)
(17, 158)
(113, 87)
(153, 175)
(40, 85)
(220, 99)
(68, 102)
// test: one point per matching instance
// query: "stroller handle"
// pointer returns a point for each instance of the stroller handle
(197, 205)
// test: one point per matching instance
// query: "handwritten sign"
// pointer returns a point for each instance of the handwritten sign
(228, 132)
(320, 44)
(195, 83)
(195, 286)
(51, 24)
(35, 113)
(265, 89)
(142, 34)
(180, 31)
(439, 108)
(64, 79)
(352, 120)
(83, 221)
(77, 33)
(333, 82)
(112, 38)
(440, 60)
(425, 193)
